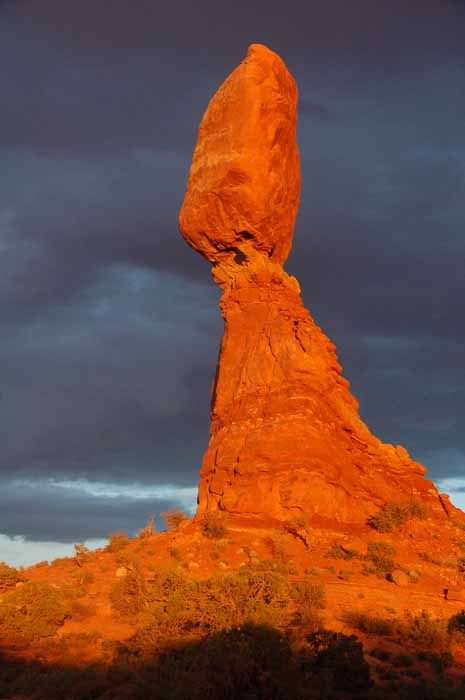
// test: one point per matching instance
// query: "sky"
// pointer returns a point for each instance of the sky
(109, 322)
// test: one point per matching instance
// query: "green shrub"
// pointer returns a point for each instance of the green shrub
(176, 553)
(173, 518)
(117, 541)
(82, 611)
(308, 597)
(457, 623)
(380, 554)
(370, 623)
(213, 525)
(402, 660)
(35, 610)
(424, 631)
(338, 551)
(9, 576)
(342, 656)
(128, 596)
(393, 514)
(247, 661)
(220, 602)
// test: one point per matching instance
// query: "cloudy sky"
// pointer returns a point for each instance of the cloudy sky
(109, 322)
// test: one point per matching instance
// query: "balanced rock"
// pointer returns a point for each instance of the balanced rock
(286, 437)
(244, 182)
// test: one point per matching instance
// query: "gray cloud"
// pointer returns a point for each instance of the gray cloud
(70, 514)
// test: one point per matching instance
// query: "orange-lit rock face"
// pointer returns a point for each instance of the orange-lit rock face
(244, 183)
(286, 436)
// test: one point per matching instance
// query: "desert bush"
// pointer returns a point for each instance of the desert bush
(414, 575)
(393, 514)
(128, 596)
(163, 584)
(380, 554)
(81, 611)
(456, 623)
(381, 654)
(219, 602)
(173, 518)
(426, 556)
(148, 530)
(370, 623)
(117, 541)
(33, 611)
(402, 660)
(81, 554)
(423, 631)
(9, 576)
(308, 598)
(176, 553)
(129, 559)
(213, 525)
(342, 656)
(247, 661)
(219, 547)
(338, 551)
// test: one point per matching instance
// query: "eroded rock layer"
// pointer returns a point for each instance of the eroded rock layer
(286, 436)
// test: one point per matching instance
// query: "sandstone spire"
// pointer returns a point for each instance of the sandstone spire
(286, 437)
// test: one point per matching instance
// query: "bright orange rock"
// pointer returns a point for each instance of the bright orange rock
(244, 182)
(286, 436)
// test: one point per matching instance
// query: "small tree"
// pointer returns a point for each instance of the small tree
(149, 529)
(117, 541)
(81, 553)
(173, 518)
(9, 576)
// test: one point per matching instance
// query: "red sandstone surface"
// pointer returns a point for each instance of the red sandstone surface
(286, 435)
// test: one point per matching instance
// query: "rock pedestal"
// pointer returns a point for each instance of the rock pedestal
(286, 436)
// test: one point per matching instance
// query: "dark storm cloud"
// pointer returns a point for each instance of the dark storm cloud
(109, 324)
(108, 386)
(71, 515)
